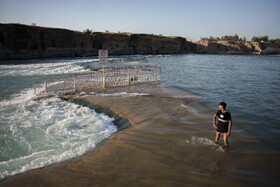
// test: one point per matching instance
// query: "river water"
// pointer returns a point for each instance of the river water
(35, 134)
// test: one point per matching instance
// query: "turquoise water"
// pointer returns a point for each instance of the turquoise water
(36, 134)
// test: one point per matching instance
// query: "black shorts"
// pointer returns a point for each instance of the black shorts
(222, 127)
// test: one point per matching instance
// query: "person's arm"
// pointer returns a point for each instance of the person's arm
(229, 127)
(214, 121)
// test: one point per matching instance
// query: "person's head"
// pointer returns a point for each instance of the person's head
(222, 105)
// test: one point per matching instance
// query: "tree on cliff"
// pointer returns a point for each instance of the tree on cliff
(226, 37)
(211, 38)
(230, 38)
(87, 31)
(259, 38)
(276, 40)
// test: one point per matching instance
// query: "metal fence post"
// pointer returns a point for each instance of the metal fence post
(46, 87)
(103, 81)
(75, 84)
(34, 87)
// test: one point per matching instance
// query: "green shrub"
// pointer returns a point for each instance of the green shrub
(88, 31)
(259, 38)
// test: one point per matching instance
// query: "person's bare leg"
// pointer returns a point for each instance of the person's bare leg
(217, 137)
(225, 140)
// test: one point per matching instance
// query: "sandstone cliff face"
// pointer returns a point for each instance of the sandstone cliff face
(269, 48)
(26, 42)
(236, 47)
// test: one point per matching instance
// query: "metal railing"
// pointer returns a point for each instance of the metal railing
(120, 76)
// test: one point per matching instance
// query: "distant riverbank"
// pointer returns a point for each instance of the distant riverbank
(19, 41)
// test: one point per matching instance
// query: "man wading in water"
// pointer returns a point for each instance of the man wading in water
(224, 123)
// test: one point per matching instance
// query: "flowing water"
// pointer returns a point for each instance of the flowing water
(35, 134)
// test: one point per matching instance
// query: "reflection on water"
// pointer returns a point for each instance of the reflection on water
(219, 168)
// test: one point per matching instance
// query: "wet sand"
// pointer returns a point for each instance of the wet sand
(169, 143)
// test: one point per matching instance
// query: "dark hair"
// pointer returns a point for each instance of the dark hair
(223, 104)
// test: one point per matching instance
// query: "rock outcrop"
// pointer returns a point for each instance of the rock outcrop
(27, 42)
(236, 47)
(19, 41)
(270, 48)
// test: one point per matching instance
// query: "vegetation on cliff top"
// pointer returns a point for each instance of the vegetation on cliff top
(265, 39)
(237, 38)
(88, 31)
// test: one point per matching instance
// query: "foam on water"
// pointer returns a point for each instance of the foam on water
(43, 68)
(35, 134)
(197, 141)
(19, 98)
(195, 111)
(123, 94)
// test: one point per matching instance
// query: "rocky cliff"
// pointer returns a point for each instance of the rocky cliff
(27, 42)
(19, 41)
(236, 47)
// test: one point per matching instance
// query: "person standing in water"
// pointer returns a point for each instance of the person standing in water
(224, 123)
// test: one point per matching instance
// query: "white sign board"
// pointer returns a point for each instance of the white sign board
(103, 56)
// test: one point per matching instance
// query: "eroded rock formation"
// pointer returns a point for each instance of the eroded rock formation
(236, 47)
(19, 41)
(26, 42)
